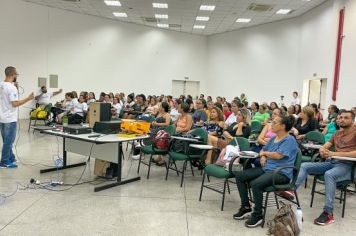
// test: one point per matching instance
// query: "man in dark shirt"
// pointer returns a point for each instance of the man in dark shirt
(334, 170)
(199, 115)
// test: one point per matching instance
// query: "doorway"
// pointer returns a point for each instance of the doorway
(185, 87)
(314, 91)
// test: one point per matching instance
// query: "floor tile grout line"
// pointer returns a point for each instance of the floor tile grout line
(27, 208)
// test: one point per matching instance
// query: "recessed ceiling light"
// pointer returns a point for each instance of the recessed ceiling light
(306, 0)
(120, 14)
(163, 25)
(207, 7)
(159, 5)
(203, 18)
(283, 11)
(199, 26)
(160, 16)
(113, 3)
(243, 20)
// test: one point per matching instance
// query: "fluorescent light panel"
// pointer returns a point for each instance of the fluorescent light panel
(113, 3)
(243, 20)
(163, 25)
(120, 14)
(199, 26)
(159, 5)
(161, 16)
(283, 11)
(202, 18)
(207, 7)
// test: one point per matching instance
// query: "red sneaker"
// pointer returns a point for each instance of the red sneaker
(324, 219)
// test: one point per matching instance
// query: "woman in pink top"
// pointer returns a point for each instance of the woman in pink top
(267, 133)
(185, 120)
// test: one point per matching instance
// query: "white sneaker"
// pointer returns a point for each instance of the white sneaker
(137, 157)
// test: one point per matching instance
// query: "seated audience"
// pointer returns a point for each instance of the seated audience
(226, 108)
(262, 115)
(291, 111)
(215, 124)
(305, 123)
(210, 105)
(317, 114)
(78, 112)
(174, 109)
(254, 108)
(333, 110)
(267, 132)
(199, 115)
(281, 150)
(298, 109)
(44, 98)
(91, 98)
(344, 142)
(152, 107)
(330, 129)
(67, 105)
(116, 107)
(240, 128)
(185, 121)
(234, 111)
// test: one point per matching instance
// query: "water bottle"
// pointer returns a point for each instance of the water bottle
(65, 120)
(299, 215)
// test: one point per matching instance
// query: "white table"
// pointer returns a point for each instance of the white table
(186, 139)
(344, 158)
(202, 146)
(248, 154)
(105, 147)
(312, 146)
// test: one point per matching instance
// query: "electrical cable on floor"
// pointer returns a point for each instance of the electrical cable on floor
(19, 135)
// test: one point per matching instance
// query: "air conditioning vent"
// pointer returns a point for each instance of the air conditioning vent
(150, 19)
(175, 26)
(71, 0)
(260, 7)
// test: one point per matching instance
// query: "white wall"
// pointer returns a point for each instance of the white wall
(95, 54)
(273, 59)
(91, 53)
(261, 61)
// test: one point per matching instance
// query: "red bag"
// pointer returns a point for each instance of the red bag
(161, 140)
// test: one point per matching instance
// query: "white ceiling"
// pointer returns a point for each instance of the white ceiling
(184, 12)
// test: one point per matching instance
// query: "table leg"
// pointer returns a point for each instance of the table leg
(119, 180)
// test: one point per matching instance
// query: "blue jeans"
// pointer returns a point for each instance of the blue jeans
(8, 134)
(333, 170)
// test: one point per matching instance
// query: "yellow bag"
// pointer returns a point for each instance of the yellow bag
(38, 113)
(137, 127)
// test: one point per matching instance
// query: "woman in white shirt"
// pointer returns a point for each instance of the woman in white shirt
(174, 109)
(77, 114)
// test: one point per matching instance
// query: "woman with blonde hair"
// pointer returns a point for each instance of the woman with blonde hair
(305, 123)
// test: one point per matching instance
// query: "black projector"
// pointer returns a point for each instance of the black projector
(107, 127)
(76, 129)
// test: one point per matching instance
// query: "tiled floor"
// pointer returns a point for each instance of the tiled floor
(147, 207)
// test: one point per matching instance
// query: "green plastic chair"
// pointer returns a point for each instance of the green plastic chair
(341, 185)
(256, 127)
(191, 154)
(219, 172)
(275, 188)
(152, 151)
(313, 136)
(47, 109)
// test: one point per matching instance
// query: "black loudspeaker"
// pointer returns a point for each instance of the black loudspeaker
(99, 111)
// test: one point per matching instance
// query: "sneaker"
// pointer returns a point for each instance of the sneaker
(243, 213)
(8, 166)
(289, 195)
(324, 219)
(254, 221)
